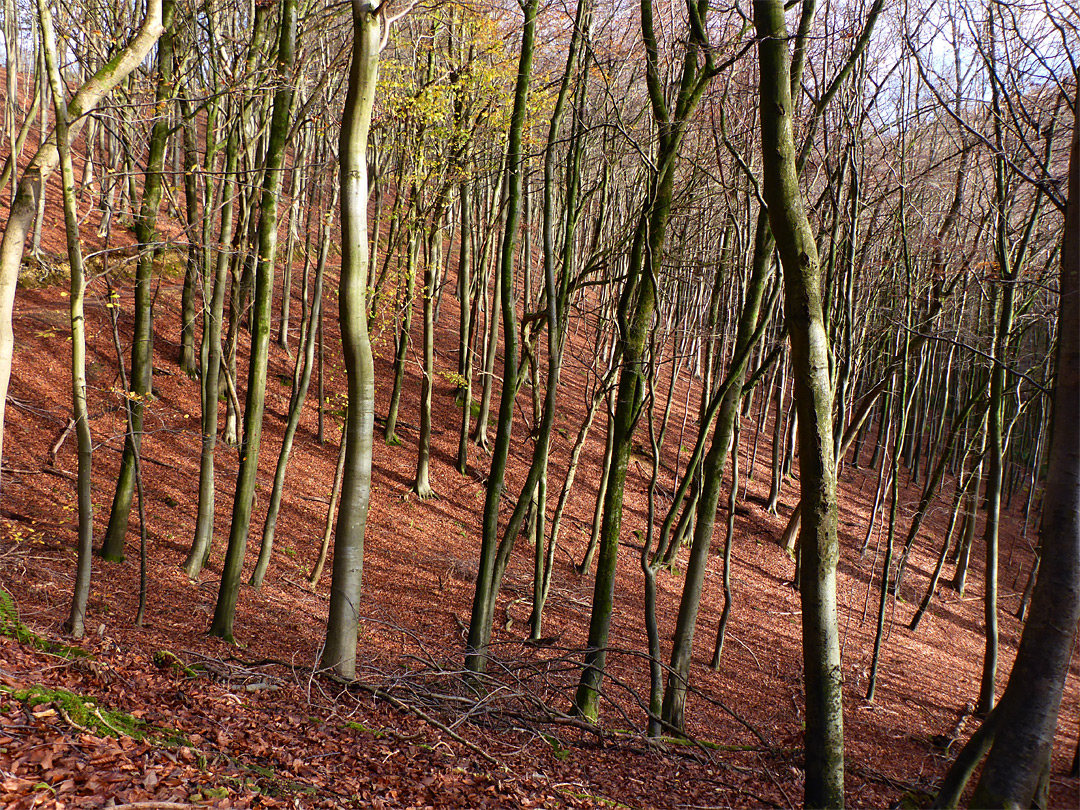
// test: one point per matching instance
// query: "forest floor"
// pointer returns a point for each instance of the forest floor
(160, 715)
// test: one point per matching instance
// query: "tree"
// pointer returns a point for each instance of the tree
(824, 738)
(339, 652)
(81, 590)
(142, 341)
(1019, 732)
(42, 164)
(489, 575)
(637, 306)
(225, 610)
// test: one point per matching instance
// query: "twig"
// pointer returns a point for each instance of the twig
(398, 704)
(107, 724)
(775, 781)
(60, 442)
(60, 473)
(67, 719)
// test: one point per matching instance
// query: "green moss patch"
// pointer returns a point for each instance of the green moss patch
(11, 627)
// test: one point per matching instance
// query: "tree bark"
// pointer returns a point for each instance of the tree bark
(339, 652)
(824, 738)
(232, 570)
(42, 164)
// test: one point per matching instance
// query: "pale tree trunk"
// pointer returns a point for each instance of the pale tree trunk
(195, 250)
(31, 186)
(331, 512)
(11, 50)
(465, 343)
(402, 343)
(81, 591)
(422, 484)
(339, 652)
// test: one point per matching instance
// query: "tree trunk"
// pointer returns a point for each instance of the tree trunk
(225, 611)
(489, 575)
(142, 341)
(635, 315)
(748, 331)
(81, 591)
(306, 350)
(210, 353)
(402, 343)
(339, 652)
(824, 739)
(466, 329)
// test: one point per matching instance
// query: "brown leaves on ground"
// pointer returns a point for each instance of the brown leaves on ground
(273, 735)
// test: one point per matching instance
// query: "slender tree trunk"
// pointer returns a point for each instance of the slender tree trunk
(402, 343)
(824, 738)
(637, 306)
(480, 435)
(81, 591)
(232, 570)
(601, 490)
(142, 342)
(748, 332)
(931, 589)
(331, 510)
(422, 484)
(210, 352)
(489, 575)
(929, 491)
(465, 344)
(729, 538)
(305, 349)
(575, 460)
(339, 652)
(777, 438)
(191, 213)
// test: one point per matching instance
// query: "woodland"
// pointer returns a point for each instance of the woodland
(492, 404)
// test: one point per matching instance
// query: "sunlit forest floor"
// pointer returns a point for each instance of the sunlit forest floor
(255, 725)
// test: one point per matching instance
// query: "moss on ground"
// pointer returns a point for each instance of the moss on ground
(84, 712)
(11, 627)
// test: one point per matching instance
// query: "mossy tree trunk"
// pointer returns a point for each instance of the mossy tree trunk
(211, 359)
(142, 341)
(824, 738)
(225, 611)
(635, 315)
(748, 333)
(487, 585)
